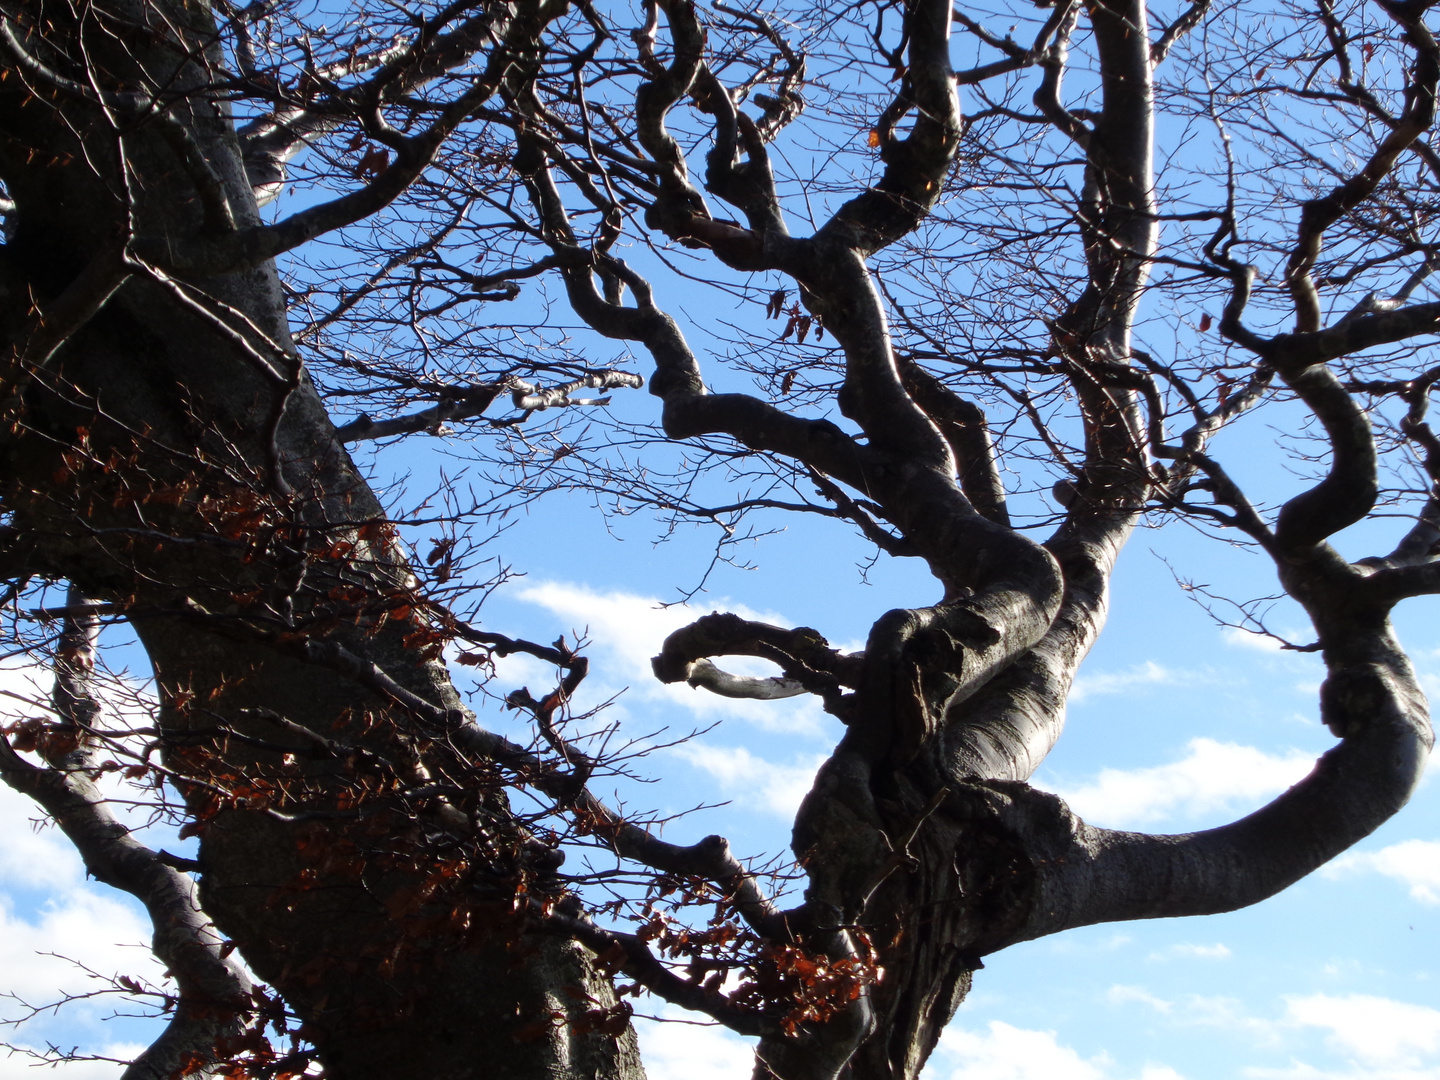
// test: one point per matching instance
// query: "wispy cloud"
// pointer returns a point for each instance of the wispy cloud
(1416, 863)
(1213, 776)
(1365, 1037)
(676, 1048)
(1138, 995)
(1003, 1052)
(752, 781)
(1100, 683)
(1373, 1031)
(1201, 1010)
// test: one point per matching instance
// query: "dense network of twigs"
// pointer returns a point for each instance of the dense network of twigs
(993, 283)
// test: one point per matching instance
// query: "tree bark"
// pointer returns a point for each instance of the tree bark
(170, 455)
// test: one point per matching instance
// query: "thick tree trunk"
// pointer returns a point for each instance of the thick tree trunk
(172, 457)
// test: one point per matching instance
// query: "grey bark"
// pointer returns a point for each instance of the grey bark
(920, 827)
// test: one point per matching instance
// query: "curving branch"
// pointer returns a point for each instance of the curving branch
(704, 674)
(1083, 875)
(809, 664)
(679, 207)
(462, 403)
(629, 954)
(1186, 21)
(1006, 729)
(1009, 727)
(915, 166)
(530, 397)
(1350, 487)
(269, 143)
(1047, 95)
(1348, 336)
(214, 1003)
(467, 402)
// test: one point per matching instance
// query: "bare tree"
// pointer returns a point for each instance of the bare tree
(976, 379)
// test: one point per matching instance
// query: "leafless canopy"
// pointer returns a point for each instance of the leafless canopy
(1023, 277)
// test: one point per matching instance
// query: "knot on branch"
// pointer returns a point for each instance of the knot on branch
(807, 660)
(777, 111)
(1354, 698)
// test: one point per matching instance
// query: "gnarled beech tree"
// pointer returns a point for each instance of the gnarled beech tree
(971, 219)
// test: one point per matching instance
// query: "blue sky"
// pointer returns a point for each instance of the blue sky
(1176, 723)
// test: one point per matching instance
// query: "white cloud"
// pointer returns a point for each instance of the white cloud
(1004, 1052)
(1300, 1070)
(629, 625)
(1118, 682)
(1213, 1010)
(746, 778)
(1213, 776)
(52, 919)
(1200, 1010)
(1416, 863)
(106, 934)
(24, 689)
(1373, 1031)
(1375, 1039)
(1366, 1037)
(90, 923)
(675, 1050)
(1009, 1053)
(33, 854)
(38, 956)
